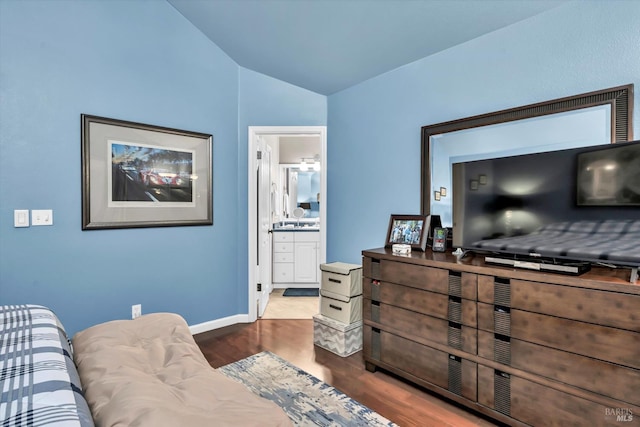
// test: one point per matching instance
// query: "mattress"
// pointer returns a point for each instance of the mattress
(38, 379)
(608, 241)
(150, 372)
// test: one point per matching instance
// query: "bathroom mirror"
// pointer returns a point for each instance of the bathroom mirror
(300, 189)
(589, 119)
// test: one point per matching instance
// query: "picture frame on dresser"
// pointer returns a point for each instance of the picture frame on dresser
(410, 230)
(140, 175)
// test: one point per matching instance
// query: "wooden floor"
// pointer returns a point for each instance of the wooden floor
(292, 340)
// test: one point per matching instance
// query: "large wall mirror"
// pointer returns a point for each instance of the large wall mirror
(578, 121)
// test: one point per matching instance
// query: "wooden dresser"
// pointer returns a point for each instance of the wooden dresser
(523, 347)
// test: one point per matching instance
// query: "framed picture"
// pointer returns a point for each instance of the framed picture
(137, 175)
(409, 230)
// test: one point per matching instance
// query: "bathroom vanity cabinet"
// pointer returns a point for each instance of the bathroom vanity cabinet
(296, 257)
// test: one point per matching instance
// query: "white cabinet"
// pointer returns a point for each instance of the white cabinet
(282, 257)
(295, 256)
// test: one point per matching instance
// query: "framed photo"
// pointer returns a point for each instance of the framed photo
(137, 175)
(408, 230)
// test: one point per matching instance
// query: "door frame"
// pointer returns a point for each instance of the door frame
(252, 207)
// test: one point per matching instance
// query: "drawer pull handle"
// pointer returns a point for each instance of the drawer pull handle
(335, 307)
(335, 280)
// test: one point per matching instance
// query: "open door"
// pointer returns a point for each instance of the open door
(264, 216)
(259, 238)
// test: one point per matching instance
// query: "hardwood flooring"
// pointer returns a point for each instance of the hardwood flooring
(390, 396)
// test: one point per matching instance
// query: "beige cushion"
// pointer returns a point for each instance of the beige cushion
(150, 372)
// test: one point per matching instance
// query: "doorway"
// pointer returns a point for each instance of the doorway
(259, 224)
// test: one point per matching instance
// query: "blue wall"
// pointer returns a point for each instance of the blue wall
(374, 127)
(139, 61)
(142, 61)
(265, 101)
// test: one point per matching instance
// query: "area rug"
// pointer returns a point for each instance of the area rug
(301, 292)
(305, 399)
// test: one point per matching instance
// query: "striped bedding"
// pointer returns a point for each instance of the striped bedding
(39, 384)
(613, 241)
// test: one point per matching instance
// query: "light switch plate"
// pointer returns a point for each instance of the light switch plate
(42, 217)
(21, 218)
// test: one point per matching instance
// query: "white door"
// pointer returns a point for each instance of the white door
(264, 196)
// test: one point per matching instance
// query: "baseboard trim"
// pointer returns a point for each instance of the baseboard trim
(218, 323)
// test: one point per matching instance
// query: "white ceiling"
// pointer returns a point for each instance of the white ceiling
(329, 45)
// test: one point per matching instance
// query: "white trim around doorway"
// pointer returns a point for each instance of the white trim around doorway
(254, 133)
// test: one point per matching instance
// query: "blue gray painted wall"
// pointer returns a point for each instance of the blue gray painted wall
(374, 127)
(142, 61)
(139, 61)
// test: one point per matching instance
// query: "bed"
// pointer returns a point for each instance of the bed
(607, 241)
(123, 373)
(38, 379)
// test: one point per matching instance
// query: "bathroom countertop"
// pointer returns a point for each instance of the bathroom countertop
(295, 228)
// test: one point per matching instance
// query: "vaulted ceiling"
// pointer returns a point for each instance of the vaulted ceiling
(329, 45)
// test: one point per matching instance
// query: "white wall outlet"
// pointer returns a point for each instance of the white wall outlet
(21, 218)
(136, 311)
(42, 217)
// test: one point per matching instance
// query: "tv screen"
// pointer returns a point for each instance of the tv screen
(610, 176)
(497, 200)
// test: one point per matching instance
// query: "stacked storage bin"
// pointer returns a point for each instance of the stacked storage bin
(338, 327)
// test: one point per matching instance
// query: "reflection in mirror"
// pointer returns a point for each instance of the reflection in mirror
(301, 189)
(579, 128)
(583, 120)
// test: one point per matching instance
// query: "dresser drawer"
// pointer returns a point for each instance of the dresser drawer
(587, 305)
(446, 307)
(540, 405)
(430, 328)
(427, 278)
(569, 368)
(613, 345)
(449, 372)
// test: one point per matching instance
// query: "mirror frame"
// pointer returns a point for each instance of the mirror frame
(620, 98)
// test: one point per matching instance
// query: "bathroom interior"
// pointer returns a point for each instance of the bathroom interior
(295, 223)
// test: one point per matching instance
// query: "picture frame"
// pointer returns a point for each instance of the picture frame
(140, 175)
(408, 230)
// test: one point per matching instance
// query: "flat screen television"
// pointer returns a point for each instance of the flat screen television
(579, 204)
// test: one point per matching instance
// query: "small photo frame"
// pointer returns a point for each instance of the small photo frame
(482, 179)
(473, 184)
(443, 191)
(436, 196)
(408, 230)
